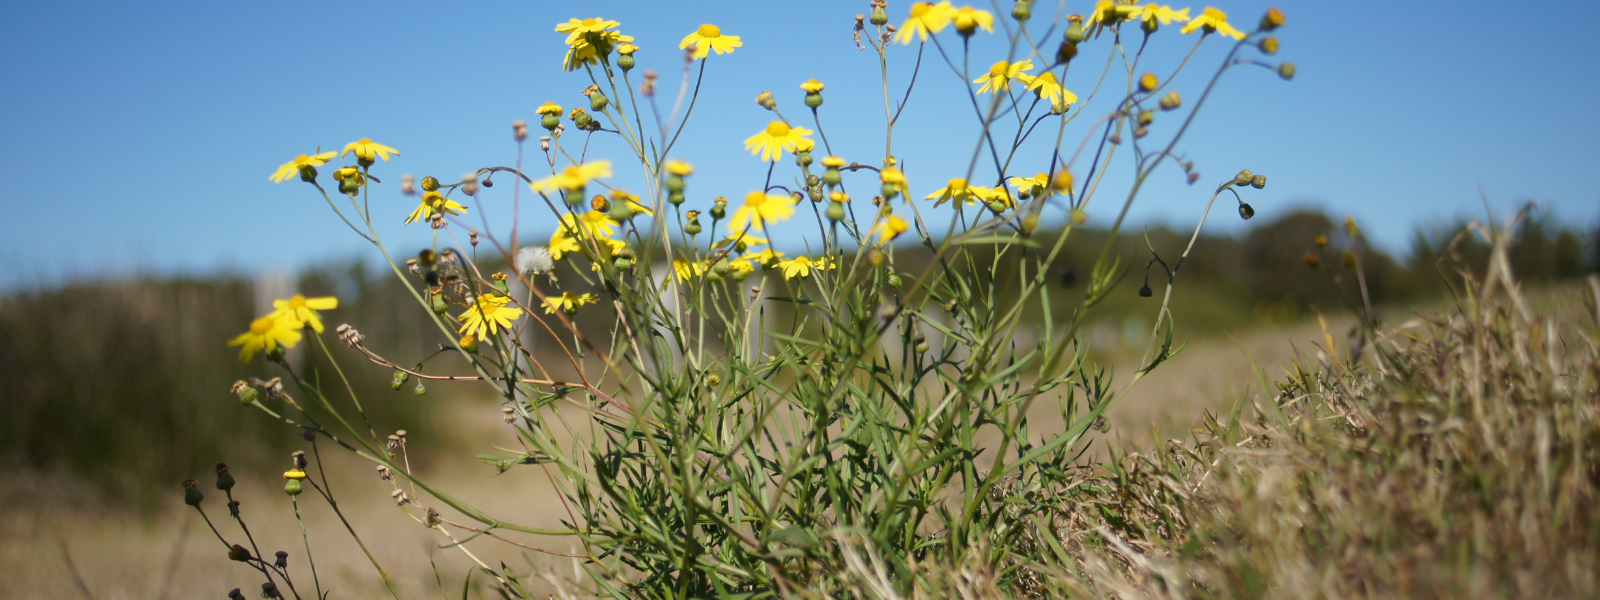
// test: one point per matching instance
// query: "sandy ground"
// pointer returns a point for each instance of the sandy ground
(59, 546)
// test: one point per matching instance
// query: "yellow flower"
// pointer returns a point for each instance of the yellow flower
(267, 333)
(576, 29)
(1107, 12)
(708, 38)
(303, 310)
(891, 227)
(488, 315)
(802, 266)
(894, 177)
(1000, 194)
(760, 209)
(767, 257)
(832, 161)
(1211, 20)
(349, 173)
(740, 241)
(957, 189)
(1032, 185)
(574, 177)
(627, 49)
(1155, 13)
(925, 18)
(743, 267)
(1045, 87)
(294, 474)
(680, 168)
(775, 139)
(686, 269)
(970, 19)
(633, 202)
(811, 86)
(435, 204)
(575, 231)
(548, 108)
(292, 168)
(568, 302)
(1000, 75)
(368, 150)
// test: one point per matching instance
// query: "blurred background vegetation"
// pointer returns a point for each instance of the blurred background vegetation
(123, 385)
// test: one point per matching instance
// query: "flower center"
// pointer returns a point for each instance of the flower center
(958, 184)
(999, 69)
(297, 301)
(261, 326)
(777, 129)
(590, 22)
(710, 31)
(919, 9)
(302, 159)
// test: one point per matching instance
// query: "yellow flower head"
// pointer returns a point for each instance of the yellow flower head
(1213, 20)
(627, 49)
(567, 302)
(968, 19)
(1000, 194)
(761, 209)
(1000, 75)
(488, 315)
(588, 39)
(574, 177)
(686, 269)
(767, 257)
(742, 267)
(891, 227)
(957, 189)
(1033, 185)
(433, 205)
(1152, 14)
(577, 30)
(925, 18)
(776, 138)
(267, 333)
(344, 173)
(303, 310)
(802, 266)
(1107, 13)
(811, 86)
(707, 38)
(574, 233)
(634, 205)
(368, 150)
(1045, 87)
(680, 168)
(893, 176)
(294, 474)
(832, 161)
(548, 108)
(741, 241)
(292, 168)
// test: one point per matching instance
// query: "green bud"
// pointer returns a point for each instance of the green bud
(879, 16)
(814, 99)
(1074, 34)
(889, 190)
(292, 487)
(191, 493)
(1286, 71)
(676, 198)
(582, 120)
(835, 211)
(718, 212)
(238, 553)
(574, 197)
(622, 264)
(1245, 211)
(349, 186)
(693, 228)
(922, 347)
(831, 176)
(1022, 11)
(430, 184)
(420, 390)
(438, 304)
(815, 194)
(550, 121)
(1066, 52)
(500, 285)
(1146, 117)
(803, 157)
(1029, 223)
(400, 378)
(713, 277)
(625, 61)
(1258, 182)
(894, 281)
(224, 478)
(308, 173)
(619, 211)
(365, 161)
(247, 395)
(674, 183)
(721, 268)
(996, 207)
(598, 101)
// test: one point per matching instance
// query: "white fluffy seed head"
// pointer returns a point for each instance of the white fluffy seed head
(534, 260)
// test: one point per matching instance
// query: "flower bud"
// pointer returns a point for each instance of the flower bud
(1349, 259)
(803, 158)
(835, 211)
(1272, 20)
(1311, 260)
(693, 228)
(1028, 224)
(1322, 241)
(625, 61)
(879, 16)
(1269, 45)
(676, 198)
(1193, 177)
(308, 173)
(876, 257)
(1258, 182)
(1022, 11)
(469, 184)
(399, 379)
(1286, 71)
(238, 553)
(674, 183)
(420, 390)
(815, 193)
(430, 184)
(247, 395)
(1066, 52)
(714, 379)
(439, 304)
(1245, 211)
(813, 99)
(224, 478)
(894, 281)
(191, 492)
(550, 121)
(1145, 291)
(1243, 178)
(1171, 101)
(292, 487)
(598, 101)
(1075, 34)
(1146, 117)
(765, 100)
(719, 208)
(1077, 216)
(1148, 82)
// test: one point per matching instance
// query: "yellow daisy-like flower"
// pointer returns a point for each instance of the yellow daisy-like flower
(304, 310)
(742, 267)
(1000, 75)
(294, 474)
(925, 18)
(686, 269)
(1153, 13)
(740, 241)
(267, 333)
(627, 49)
(833, 161)
(577, 28)
(894, 177)
(812, 86)
(1107, 12)
(488, 315)
(1000, 194)
(969, 19)
(633, 202)
(1045, 87)
(292, 168)
(435, 204)
(1033, 185)
(767, 257)
(707, 38)
(368, 150)
(957, 189)
(548, 108)
(680, 168)
(1213, 20)
(574, 177)
(890, 227)
(802, 266)
(574, 231)
(776, 138)
(759, 210)
(567, 302)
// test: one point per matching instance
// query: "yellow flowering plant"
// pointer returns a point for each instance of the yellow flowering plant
(767, 392)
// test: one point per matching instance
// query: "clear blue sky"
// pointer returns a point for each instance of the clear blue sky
(138, 137)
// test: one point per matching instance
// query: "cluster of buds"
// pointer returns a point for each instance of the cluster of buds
(676, 171)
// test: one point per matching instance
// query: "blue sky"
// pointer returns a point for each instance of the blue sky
(138, 137)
